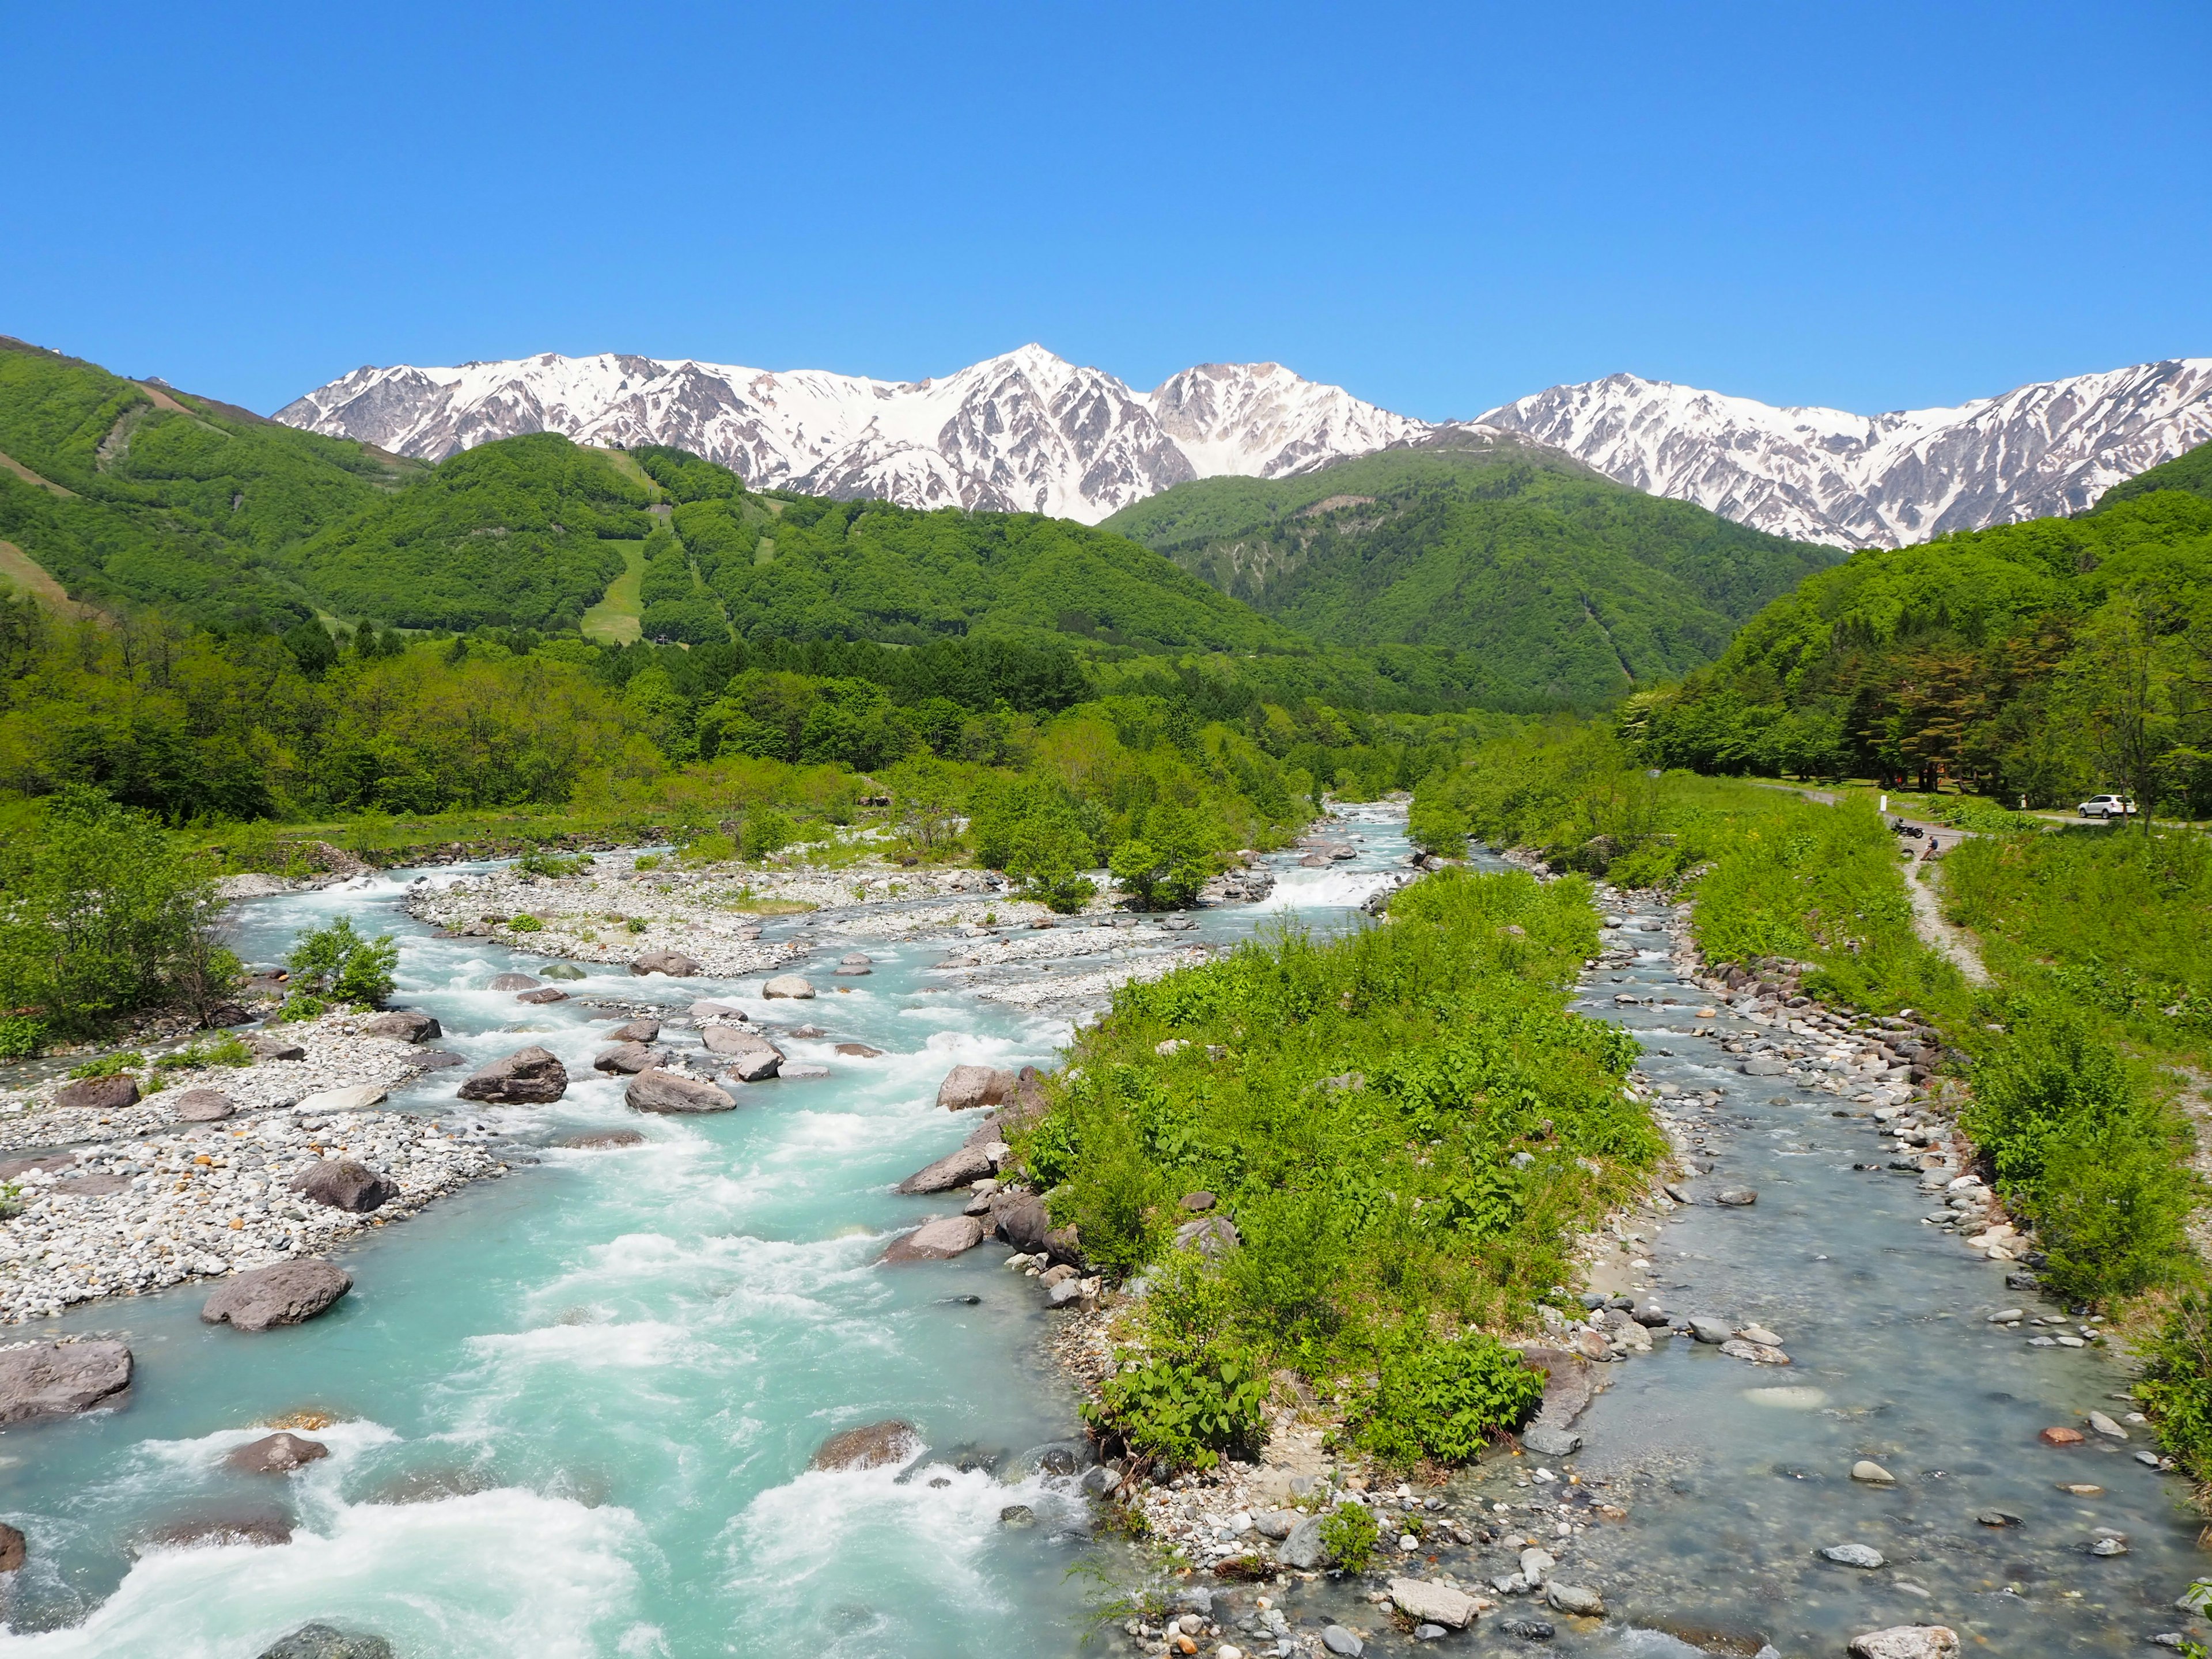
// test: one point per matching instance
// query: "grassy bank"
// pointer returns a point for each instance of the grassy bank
(1404, 1126)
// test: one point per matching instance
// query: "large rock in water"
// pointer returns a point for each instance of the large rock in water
(344, 1185)
(283, 1293)
(788, 985)
(660, 1090)
(59, 1379)
(936, 1241)
(974, 1085)
(752, 1057)
(403, 1026)
(1907, 1641)
(960, 1169)
(872, 1446)
(529, 1076)
(276, 1454)
(97, 1094)
(326, 1642)
(674, 963)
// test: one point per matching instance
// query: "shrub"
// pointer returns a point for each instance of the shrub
(1349, 1535)
(1444, 1402)
(338, 963)
(1185, 1413)
(20, 1037)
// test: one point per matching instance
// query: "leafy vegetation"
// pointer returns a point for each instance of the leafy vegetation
(1558, 586)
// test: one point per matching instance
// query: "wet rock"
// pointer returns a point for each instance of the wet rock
(512, 982)
(1431, 1602)
(60, 1379)
(344, 1185)
(283, 1293)
(965, 1086)
(1341, 1642)
(871, 1446)
(959, 1169)
(1547, 1442)
(2061, 1436)
(405, 1025)
(1301, 1548)
(792, 986)
(936, 1241)
(627, 1059)
(1867, 1470)
(277, 1454)
(97, 1094)
(674, 963)
(638, 1030)
(2101, 1425)
(203, 1106)
(1736, 1197)
(597, 1139)
(1577, 1599)
(531, 1076)
(752, 1057)
(661, 1090)
(1853, 1555)
(1907, 1641)
(326, 1642)
(358, 1099)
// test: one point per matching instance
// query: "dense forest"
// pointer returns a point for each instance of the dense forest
(1568, 588)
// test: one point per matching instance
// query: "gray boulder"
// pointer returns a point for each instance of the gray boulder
(674, 963)
(661, 1090)
(97, 1094)
(531, 1076)
(752, 1057)
(60, 1379)
(283, 1293)
(936, 1241)
(325, 1642)
(627, 1059)
(344, 1185)
(406, 1025)
(203, 1106)
(960, 1169)
(277, 1454)
(974, 1085)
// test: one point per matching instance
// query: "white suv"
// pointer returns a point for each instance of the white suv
(2105, 806)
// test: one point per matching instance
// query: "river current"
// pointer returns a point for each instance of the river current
(573, 1407)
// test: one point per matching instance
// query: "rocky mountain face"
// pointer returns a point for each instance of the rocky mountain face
(1025, 432)
(1878, 480)
(1030, 432)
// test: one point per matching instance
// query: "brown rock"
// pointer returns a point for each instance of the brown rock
(674, 963)
(660, 1090)
(627, 1058)
(405, 1025)
(60, 1379)
(344, 1185)
(873, 1446)
(98, 1094)
(597, 1139)
(974, 1085)
(277, 1454)
(283, 1293)
(936, 1241)
(528, 1076)
(203, 1106)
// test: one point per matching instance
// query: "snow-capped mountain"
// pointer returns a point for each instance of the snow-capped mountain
(1027, 431)
(1878, 480)
(1030, 432)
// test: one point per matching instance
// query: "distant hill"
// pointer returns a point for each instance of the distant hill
(1566, 586)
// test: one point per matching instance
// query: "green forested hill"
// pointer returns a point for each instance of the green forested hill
(1565, 586)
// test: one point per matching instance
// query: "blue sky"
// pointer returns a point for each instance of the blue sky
(1442, 207)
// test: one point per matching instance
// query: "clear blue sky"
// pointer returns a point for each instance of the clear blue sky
(1442, 207)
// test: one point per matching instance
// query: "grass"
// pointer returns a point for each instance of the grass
(614, 619)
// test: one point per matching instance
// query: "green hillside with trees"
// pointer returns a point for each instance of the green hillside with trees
(1566, 587)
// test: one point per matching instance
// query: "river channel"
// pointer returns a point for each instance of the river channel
(574, 1406)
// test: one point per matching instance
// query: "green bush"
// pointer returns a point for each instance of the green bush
(338, 964)
(1187, 1413)
(20, 1037)
(1349, 1535)
(1442, 1401)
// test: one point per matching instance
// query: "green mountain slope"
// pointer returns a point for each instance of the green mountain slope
(1566, 586)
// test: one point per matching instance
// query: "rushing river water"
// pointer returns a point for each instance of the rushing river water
(575, 1406)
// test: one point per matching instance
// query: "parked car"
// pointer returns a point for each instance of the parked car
(2105, 806)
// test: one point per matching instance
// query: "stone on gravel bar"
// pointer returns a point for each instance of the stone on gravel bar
(658, 1090)
(283, 1293)
(794, 986)
(276, 1454)
(1547, 1442)
(344, 1185)
(358, 1099)
(1907, 1641)
(403, 1024)
(628, 1058)
(97, 1094)
(1853, 1555)
(674, 963)
(59, 1379)
(1872, 1473)
(974, 1085)
(872, 1446)
(1431, 1602)
(203, 1106)
(531, 1076)
(752, 1057)
(936, 1241)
